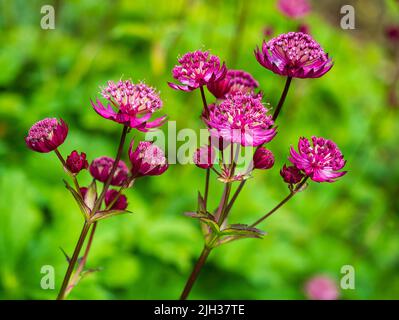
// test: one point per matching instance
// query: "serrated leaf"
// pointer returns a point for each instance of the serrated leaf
(82, 206)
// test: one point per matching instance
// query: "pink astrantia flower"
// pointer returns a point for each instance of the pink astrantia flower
(204, 157)
(294, 8)
(263, 159)
(47, 135)
(197, 69)
(147, 159)
(76, 162)
(130, 104)
(319, 160)
(119, 204)
(100, 169)
(321, 288)
(291, 174)
(234, 81)
(241, 118)
(294, 54)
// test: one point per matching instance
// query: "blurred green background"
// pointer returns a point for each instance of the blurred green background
(149, 255)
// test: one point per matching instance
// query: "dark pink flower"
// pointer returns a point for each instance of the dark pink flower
(47, 135)
(76, 162)
(295, 55)
(291, 174)
(234, 81)
(120, 203)
(197, 69)
(263, 158)
(294, 8)
(321, 288)
(100, 169)
(241, 118)
(319, 160)
(392, 33)
(304, 28)
(130, 104)
(204, 157)
(147, 160)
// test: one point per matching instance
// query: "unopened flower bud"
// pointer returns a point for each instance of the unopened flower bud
(76, 162)
(263, 158)
(120, 203)
(291, 174)
(100, 169)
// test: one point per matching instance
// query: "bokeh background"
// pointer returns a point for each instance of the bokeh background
(149, 255)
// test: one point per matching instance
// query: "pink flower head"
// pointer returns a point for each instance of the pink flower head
(321, 288)
(100, 169)
(234, 81)
(320, 160)
(294, 8)
(294, 54)
(120, 203)
(147, 160)
(197, 69)
(76, 162)
(241, 118)
(291, 174)
(204, 157)
(130, 104)
(47, 135)
(263, 159)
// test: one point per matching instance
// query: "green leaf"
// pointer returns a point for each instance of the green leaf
(82, 206)
(91, 195)
(107, 214)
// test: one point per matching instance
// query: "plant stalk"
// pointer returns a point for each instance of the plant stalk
(194, 274)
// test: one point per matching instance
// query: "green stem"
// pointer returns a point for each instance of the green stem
(73, 260)
(206, 187)
(285, 200)
(194, 274)
(82, 264)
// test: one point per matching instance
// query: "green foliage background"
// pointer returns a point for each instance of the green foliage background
(149, 255)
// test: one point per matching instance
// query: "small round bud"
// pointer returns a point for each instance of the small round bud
(291, 174)
(263, 158)
(120, 203)
(76, 162)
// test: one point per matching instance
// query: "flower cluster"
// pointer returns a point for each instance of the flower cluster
(47, 135)
(319, 159)
(241, 118)
(134, 104)
(131, 105)
(197, 69)
(294, 55)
